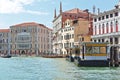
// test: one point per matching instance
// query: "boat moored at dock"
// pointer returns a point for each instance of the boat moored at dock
(92, 55)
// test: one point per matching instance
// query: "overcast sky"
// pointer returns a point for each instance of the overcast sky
(42, 11)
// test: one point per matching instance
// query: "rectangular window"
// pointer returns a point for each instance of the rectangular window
(82, 38)
(111, 40)
(95, 20)
(107, 16)
(111, 15)
(116, 14)
(99, 18)
(116, 40)
(102, 49)
(72, 35)
(102, 17)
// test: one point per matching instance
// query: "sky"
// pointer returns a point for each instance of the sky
(42, 11)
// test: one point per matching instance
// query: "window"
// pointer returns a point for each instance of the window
(102, 40)
(116, 26)
(62, 37)
(111, 25)
(69, 36)
(95, 20)
(116, 14)
(102, 28)
(99, 18)
(102, 49)
(111, 40)
(116, 40)
(94, 40)
(98, 40)
(102, 17)
(95, 30)
(107, 16)
(82, 38)
(111, 15)
(99, 29)
(75, 21)
(0, 35)
(107, 28)
(89, 49)
(70, 15)
(24, 30)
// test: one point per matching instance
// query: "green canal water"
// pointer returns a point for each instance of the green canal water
(37, 68)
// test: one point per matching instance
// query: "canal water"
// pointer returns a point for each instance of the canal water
(37, 68)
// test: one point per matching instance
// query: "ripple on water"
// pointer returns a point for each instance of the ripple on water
(36, 68)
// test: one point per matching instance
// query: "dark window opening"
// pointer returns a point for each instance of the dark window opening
(102, 17)
(95, 20)
(116, 40)
(111, 40)
(99, 18)
(107, 16)
(116, 14)
(75, 21)
(111, 15)
(102, 40)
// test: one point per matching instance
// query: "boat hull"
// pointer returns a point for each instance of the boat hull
(92, 63)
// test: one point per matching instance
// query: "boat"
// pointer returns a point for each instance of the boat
(92, 54)
(6, 56)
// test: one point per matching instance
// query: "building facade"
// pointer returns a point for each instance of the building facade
(30, 38)
(106, 27)
(83, 30)
(58, 25)
(4, 41)
(67, 36)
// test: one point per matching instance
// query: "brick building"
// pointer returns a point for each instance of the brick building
(59, 25)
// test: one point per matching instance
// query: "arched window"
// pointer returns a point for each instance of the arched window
(99, 29)
(111, 27)
(116, 24)
(107, 27)
(102, 28)
(95, 30)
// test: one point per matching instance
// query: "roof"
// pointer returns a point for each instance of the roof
(4, 30)
(29, 24)
(26, 24)
(75, 10)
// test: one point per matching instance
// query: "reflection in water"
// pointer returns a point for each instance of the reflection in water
(36, 68)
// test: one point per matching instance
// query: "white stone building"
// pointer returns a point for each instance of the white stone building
(106, 26)
(67, 36)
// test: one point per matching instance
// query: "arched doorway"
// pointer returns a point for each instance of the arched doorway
(22, 52)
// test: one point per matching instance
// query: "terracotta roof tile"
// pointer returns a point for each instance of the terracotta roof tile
(28, 24)
(4, 30)
(75, 10)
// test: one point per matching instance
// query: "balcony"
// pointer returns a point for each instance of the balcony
(106, 35)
